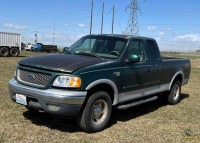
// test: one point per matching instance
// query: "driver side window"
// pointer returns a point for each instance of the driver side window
(137, 47)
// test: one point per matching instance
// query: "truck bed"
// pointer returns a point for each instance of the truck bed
(49, 48)
(171, 65)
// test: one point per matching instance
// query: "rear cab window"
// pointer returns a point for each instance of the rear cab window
(154, 51)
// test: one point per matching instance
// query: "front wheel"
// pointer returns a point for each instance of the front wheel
(175, 93)
(96, 113)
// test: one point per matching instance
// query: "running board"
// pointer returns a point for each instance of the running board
(125, 106)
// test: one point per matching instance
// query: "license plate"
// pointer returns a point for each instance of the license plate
(21, 99)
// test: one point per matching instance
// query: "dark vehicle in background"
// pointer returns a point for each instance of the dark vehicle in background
(23, 45)
(39, 47)
(95, 75)
(10, 44)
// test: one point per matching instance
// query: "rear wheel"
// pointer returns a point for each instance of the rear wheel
(4, 52)
(14, 52)
(96, 113)
(174, 93)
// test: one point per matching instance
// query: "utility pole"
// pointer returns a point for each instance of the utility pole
(54, 31)
(36, 36)
(102, 18)
(113, 18)
(132, 26)
(91, 17)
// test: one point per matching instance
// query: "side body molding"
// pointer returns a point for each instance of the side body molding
(105, 81)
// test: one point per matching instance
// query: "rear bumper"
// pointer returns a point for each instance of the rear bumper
(55, 101)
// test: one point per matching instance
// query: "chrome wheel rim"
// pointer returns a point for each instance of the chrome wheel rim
(99, 112)
(176, 92)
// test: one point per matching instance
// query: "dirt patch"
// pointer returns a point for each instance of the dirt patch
(195, 63)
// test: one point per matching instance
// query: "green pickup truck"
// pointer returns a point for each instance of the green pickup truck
(96, 74)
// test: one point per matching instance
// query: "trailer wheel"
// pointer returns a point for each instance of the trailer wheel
(4, 52)
(14, 52)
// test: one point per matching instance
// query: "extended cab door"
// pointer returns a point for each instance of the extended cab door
(155, 68)
(135, 75)
(139, 79)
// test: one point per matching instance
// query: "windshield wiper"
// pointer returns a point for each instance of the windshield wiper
(90, 54)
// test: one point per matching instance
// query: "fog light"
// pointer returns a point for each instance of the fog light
(53, 107)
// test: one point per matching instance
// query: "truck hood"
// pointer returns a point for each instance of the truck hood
(60, 62)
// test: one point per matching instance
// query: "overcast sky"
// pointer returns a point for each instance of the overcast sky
(175, 24)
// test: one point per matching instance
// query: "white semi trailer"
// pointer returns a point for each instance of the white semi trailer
(10, 44)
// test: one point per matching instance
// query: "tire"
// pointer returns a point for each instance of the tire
(14, 52)
(174, 93)
(96, 113)
(4, 52)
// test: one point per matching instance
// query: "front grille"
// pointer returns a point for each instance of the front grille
(34, 78)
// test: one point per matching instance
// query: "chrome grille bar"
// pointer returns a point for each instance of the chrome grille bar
(34, 78)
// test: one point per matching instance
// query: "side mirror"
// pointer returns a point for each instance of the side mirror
(132, 58)
(65, 48)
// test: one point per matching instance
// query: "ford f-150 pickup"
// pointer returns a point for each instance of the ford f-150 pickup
(96, 74)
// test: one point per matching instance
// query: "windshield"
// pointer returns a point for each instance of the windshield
(99, 46)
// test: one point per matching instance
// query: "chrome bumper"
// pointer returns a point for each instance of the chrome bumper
(69, 102)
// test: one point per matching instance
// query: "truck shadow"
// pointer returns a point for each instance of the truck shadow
(52, 122)
(140, 110)
(17, 57)
(69, 125)
(14, 57)
(22, 56)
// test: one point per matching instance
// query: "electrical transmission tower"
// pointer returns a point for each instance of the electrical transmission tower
(132, 26)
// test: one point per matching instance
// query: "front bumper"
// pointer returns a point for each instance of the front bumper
(68, 103)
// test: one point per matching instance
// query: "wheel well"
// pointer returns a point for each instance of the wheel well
(9, 48)
(102, 87)
(4, 47)
(179, 78)
(15, 47)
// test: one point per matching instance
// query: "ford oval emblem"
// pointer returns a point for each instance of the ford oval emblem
(31, 77)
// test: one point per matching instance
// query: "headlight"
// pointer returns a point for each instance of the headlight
(67, 81)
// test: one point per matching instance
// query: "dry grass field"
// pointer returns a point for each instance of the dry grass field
(153, 122)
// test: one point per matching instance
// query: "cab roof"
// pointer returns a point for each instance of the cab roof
(124, 36)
